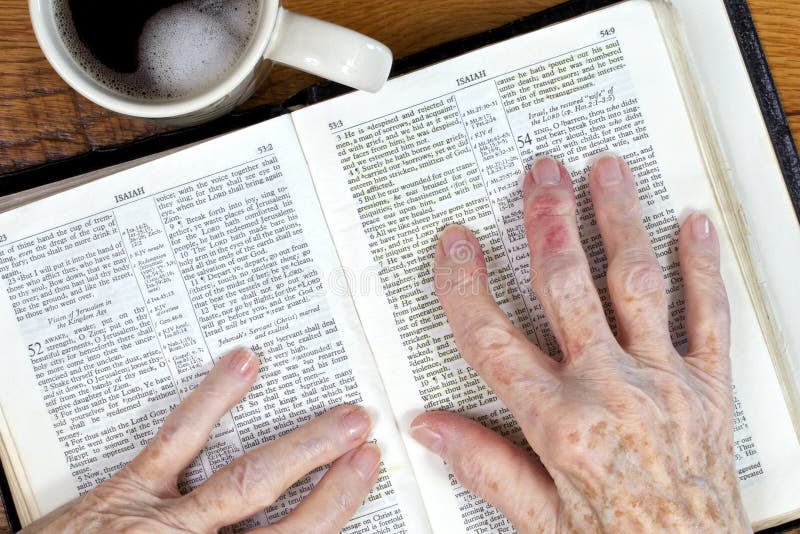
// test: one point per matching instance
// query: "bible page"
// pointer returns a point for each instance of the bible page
(765, 204)
(117, 297)
(450, 144)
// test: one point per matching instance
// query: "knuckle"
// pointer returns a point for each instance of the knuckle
(343, 503)
(492, 338)
(474, 473)
(566, 279)
(304, 452)
(214, 391)
(242, 477)
(492, 346)
(637, 279)
(550, 203)
(314, 447)
(703, 263)
(626, 215)
(239, 478)
(460, 279)
(468, 283)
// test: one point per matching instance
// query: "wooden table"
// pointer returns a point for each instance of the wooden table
(42, 119)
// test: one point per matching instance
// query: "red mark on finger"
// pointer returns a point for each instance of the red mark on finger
(552, 203)
(556, 238)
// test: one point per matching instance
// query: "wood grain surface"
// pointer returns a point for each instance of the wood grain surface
(43, 120)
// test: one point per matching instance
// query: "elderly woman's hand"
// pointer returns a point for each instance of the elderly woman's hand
(631, 436)
(143, 497)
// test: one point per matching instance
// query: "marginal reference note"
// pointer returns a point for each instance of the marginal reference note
(310, 239)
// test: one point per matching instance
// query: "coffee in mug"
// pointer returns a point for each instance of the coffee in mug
(157, 48)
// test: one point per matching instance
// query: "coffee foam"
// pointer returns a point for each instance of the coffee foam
(183, 49)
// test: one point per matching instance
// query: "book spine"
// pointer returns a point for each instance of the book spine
(8, 503)
(767, 94)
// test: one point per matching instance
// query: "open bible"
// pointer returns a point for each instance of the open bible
(310, 238)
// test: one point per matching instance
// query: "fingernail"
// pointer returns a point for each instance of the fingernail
(357, 424)
(546, 171)
(241, 361)
(608, 170)
(457, 244)
(428, 438)
(701, 226)
(366, 460)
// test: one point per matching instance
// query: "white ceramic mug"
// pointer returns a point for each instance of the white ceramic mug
(281, 36)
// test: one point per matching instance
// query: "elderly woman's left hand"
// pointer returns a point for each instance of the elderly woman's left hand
(143, 497)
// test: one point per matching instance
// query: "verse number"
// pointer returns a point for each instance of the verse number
(608, 32)
(335, 125)
(524, 140)
(263, 149)
(34, 349)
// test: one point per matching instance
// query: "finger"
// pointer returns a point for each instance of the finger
(331, 505)
(635, 278)
(510, 364)
(186, 430)
(254, 481)
(491, 467)
(707, 310)
(559, 271)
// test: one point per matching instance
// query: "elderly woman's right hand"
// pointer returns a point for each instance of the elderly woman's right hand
(631, 436)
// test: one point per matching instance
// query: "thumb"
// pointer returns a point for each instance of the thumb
(493, 468)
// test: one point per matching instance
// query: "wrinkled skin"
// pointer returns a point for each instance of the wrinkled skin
(631, 436)
(143, 497)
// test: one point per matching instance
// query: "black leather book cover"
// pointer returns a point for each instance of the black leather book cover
(741, 20)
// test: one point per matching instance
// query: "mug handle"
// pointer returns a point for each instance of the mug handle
(330, 51)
